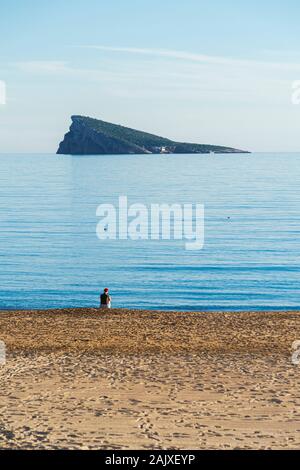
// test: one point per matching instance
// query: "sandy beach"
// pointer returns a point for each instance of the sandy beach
(120, 379)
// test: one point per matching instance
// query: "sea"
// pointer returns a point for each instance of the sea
(51, 256)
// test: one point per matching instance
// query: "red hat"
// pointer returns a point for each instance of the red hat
(106, 289)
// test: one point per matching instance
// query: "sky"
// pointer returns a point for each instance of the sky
(218, 72)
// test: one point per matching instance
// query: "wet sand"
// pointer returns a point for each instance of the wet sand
(120, 379)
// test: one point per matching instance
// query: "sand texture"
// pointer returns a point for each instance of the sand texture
(120, 379)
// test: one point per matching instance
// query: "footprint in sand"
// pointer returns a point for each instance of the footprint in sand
(147, 428)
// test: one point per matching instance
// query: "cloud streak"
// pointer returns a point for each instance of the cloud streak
(48, 66)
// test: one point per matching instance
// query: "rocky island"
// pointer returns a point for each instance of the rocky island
(88, 136)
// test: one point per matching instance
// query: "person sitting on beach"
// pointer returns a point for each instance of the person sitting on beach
(105, 299)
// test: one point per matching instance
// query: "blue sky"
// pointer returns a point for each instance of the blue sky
(218, 72)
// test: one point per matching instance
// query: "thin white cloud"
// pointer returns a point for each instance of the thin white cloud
(49, 66)
(192, 57)
(2, 92)
(282, 52)
(63, 68)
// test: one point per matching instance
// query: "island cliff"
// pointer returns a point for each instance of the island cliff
(88, 136)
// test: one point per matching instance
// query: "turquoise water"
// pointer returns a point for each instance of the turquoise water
(50, 255)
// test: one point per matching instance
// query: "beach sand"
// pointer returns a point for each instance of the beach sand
(121, 379)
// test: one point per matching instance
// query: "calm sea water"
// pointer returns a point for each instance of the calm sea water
(50, 255)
